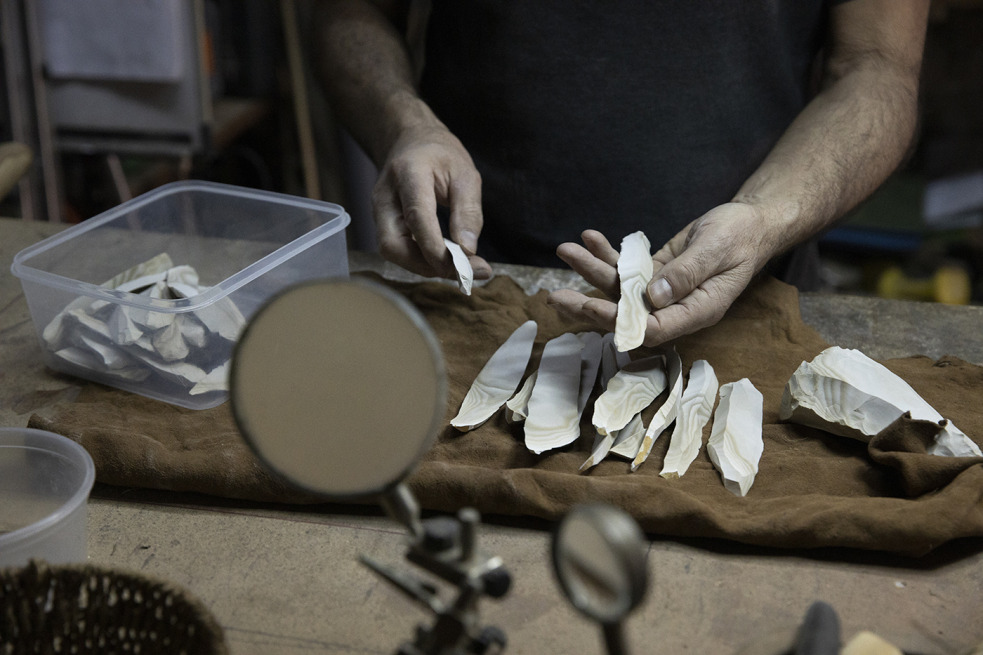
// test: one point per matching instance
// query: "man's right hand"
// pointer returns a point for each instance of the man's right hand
(364, 63)
(427, 167)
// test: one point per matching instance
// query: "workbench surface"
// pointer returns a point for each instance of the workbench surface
(286, 580)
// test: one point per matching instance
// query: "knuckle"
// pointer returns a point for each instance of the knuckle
(380, 194)
(471, 177)
(384, 189)
(471, 215)
(402, 167)
(416, 214)
(388, 246)
(693, 266)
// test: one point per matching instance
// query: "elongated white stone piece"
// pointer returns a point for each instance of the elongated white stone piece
(695, 409)
(216, 380)
(87, 359)
(498, 379)
(612, 359)
(112, 358)
(631, 390)
(193, 332)
(844, 392)
(634, 272)
(735, 443)
(182, 282)
(629, 438)
(55, 329)
(223, 318)
(465, 274)
(122, 329)
(169, 342)
(600, 449)
(149, 319)
(590, 362)
(517, 407)
(135, 342)
(603, 443)
(183, 373)
(154, 267)
(142, 283)
(88, 324)
(666, 414)
(554, 419)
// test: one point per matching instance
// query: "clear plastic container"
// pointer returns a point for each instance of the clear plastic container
(45, 480)
(242, 244)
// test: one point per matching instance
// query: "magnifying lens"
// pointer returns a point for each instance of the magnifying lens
(599, 556)
(339, 387)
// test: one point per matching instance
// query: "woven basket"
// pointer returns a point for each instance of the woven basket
(85, 609)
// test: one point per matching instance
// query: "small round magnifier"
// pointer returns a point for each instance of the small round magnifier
(599, 556)
(339, 387)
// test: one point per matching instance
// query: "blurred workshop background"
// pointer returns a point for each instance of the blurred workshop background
(106, 99)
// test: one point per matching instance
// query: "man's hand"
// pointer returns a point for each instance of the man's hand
(426, 167)
(846, 141)
(698, 273)
(364, 62)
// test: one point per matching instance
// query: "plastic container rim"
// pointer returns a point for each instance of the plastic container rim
(23, 271)
(49, 439)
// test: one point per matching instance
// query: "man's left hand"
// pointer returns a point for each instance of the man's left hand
(697, 275)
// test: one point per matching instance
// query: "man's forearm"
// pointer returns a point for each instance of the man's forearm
(845, 143)
(367, 74)
(837, 152)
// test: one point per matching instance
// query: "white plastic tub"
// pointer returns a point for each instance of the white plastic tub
(45, 480)
(244, 245)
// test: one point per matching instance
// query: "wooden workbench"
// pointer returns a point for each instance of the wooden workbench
(286, 580)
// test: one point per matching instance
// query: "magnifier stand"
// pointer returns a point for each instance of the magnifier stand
(447, 548)
(301, 373)
(614, 638)
(303, 370)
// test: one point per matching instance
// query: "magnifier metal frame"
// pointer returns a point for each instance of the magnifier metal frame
(446, 548)
(241, 412)
(626, 546)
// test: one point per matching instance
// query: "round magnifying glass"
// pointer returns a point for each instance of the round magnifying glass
(339, 387)
(599, 556)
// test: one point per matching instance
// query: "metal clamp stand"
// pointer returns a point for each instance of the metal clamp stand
(599, 556)
(447, 548)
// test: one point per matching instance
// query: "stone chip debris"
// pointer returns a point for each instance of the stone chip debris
(187, 348)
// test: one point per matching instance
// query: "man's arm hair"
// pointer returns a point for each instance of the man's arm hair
(365, 67)
(857, 129)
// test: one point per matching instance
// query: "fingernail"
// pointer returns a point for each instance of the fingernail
(482, 272)
(469, 241)
(660, 293)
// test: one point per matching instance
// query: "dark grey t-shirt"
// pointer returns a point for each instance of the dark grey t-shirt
(617, 116)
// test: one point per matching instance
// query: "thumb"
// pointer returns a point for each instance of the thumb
(466, 217)
(676, 280)
(465, 231)
(660, 292)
